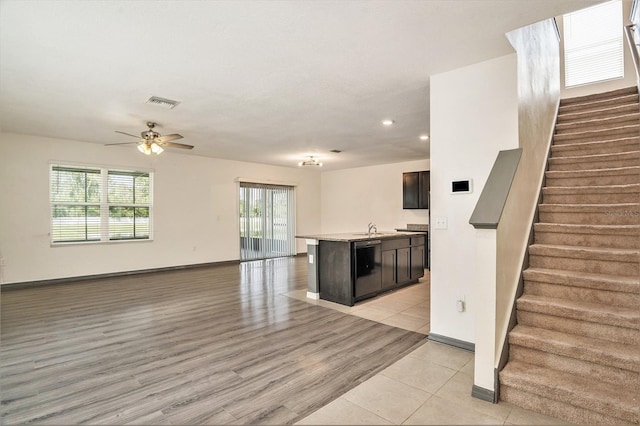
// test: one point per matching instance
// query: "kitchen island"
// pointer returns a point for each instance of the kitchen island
(348, 267)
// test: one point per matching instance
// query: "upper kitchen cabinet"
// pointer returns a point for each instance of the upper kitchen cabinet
(415, 190)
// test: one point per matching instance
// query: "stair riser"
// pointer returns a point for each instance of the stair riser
(571, 365)
(579, 327)
(592, 218)
(596, 136)
(600, 124)
(593, 180)
(585, 265)
(566, 165)
(572, 352)
(611, 198)
(603, 96)
(602, 113)
(554, 407)
(597, 148)
(587, 294)
(631, 287)
(595, 106)
(622, 318)
(588, 240)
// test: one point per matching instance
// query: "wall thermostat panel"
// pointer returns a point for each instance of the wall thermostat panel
(462, 186)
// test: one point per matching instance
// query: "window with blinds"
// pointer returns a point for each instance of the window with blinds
(267, 221)
(593, 44)
(98, 204)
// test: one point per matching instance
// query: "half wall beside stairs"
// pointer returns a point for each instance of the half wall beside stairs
(575, 351)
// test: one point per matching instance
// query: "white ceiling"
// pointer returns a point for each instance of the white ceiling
(258, 81)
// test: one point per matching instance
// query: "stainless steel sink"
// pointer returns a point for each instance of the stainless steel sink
(374, 234)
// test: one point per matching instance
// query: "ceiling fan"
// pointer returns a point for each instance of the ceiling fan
(153, 142)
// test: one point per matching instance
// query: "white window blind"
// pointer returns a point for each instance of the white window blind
(97, 204)
(267, 215)
(593, 44)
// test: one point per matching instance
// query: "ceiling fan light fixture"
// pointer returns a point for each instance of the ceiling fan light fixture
(143, 148)
(156, 149)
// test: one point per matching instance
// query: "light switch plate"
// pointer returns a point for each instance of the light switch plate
(440, 223)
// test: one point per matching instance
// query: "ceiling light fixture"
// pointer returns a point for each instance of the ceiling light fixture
(310, 161)
(388, 122)
(163, 102)
(424, 137)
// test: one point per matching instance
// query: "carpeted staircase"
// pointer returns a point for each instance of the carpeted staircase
(575, 351)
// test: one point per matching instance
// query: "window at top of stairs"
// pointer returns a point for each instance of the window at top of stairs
(593, 44)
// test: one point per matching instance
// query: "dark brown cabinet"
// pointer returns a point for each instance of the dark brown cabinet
(415, 190)
(402, 261)
(418, 249)
(389, 276)
(404, 265)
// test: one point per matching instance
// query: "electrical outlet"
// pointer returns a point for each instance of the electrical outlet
(440, 223)
(460, 305)
(3, 262)
(310, 258)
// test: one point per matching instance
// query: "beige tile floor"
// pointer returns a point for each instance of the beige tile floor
(429, 386)
(406, 308)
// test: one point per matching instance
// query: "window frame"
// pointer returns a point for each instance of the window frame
(574, 74)
(105, 236)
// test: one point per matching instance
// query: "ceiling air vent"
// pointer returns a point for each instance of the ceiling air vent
(163, 102)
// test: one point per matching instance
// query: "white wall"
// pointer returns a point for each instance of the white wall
(195, 208)
(474, 115)
(352, 198)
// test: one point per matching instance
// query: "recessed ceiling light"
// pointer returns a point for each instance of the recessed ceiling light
(388, 122)
(424, 137)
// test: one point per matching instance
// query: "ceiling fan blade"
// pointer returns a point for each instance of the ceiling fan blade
(167, 138)
(123, 143)
(175, 145)
(128, 134)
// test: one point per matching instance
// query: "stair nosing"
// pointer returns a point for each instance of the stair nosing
(629, 279)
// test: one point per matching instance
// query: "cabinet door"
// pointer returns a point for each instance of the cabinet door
(424, 180)
(404, 265)
(417, 262)
(410, 190)
(388, 269)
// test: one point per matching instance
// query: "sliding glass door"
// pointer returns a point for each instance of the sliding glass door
(267, 221)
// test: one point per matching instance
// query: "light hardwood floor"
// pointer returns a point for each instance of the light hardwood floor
(212, 345)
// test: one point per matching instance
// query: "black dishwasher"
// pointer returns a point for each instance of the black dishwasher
(368, 267)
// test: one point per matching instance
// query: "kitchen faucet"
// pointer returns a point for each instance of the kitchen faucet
(372, 226)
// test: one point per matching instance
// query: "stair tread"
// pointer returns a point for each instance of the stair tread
(594, 207)
(627, 282)
(629, 187)
(588, 145)
(631, 314)
(595, 157)
(574, 344)
(600, 120)
(568, 248)
(585, 229)
(595, 97)
(611, 110)
(594, 172)
(599, 393)
(570, 135)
